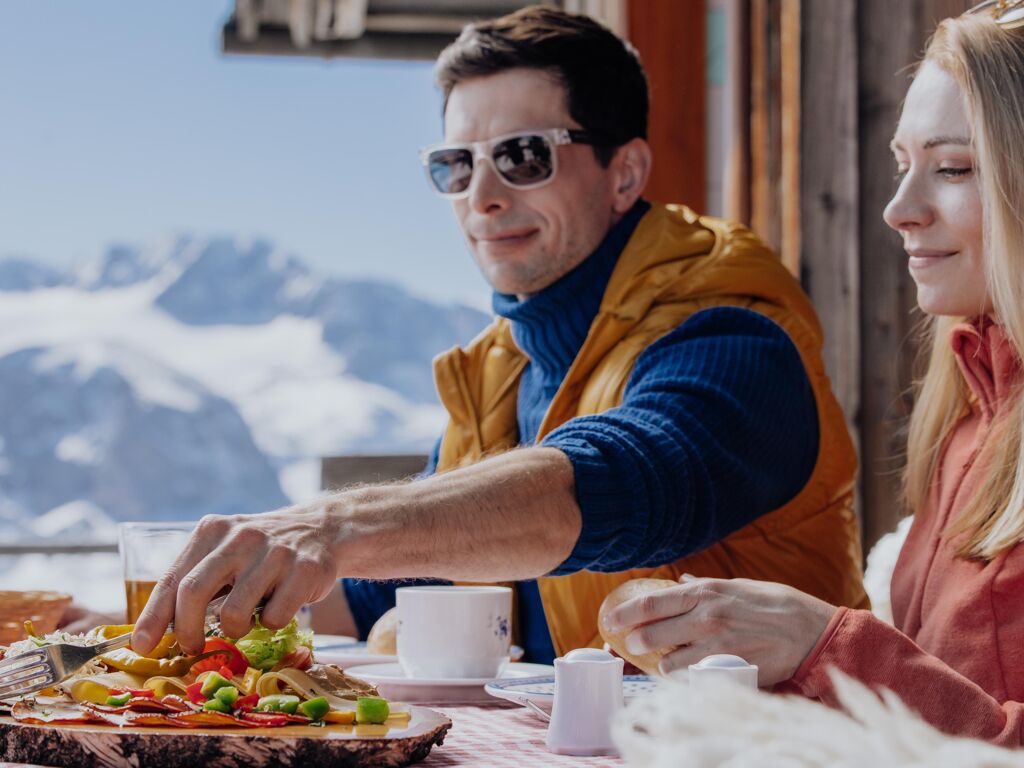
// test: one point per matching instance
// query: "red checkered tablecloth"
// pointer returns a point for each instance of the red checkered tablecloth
(497, 736)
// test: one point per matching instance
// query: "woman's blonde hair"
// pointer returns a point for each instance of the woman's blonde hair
(988, 63)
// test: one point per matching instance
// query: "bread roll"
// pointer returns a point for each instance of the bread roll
(648, 662)
(382, 637)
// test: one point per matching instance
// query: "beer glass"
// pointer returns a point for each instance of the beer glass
(147, 551)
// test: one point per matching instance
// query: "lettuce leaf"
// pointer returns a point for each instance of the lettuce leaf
(265, 647)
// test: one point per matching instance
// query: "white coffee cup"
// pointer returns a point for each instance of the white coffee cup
(453, 632)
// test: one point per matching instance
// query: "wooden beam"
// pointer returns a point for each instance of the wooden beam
(888, 295)
(829, 187)
(670, 37)
(765, 121)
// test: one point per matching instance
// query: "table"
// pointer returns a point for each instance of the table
(492, 735)
(499, 736)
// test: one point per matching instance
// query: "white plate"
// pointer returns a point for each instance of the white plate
(541, 690)
(392, 683)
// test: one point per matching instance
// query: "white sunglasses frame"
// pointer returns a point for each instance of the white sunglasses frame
(484, 150)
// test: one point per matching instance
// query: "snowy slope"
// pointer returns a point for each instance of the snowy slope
(197, 376)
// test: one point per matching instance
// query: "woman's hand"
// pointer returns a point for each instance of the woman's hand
(770, 625)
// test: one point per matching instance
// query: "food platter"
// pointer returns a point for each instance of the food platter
(85, 745)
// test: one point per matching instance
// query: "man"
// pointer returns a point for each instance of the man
(664, 368)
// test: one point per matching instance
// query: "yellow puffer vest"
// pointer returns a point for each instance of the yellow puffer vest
(675, 264)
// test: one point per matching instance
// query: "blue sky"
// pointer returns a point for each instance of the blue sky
(122, 122)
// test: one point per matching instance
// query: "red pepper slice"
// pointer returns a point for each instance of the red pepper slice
(269, 719)
(195, 693)
(146, 693)
(232, 658)
(226, 672)
(247, 703)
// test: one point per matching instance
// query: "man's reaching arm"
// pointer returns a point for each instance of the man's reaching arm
(511, 517)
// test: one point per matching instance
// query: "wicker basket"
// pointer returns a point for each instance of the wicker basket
(43, 609)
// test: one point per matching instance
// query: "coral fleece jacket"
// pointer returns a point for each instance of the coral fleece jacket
(955, 654)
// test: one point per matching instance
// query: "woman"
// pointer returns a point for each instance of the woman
(955, 654)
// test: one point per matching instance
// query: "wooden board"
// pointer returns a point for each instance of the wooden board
(85, 746)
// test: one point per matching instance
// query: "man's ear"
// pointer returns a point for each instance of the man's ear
(631, 167)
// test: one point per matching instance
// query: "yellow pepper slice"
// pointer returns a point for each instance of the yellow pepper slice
(162, 650)
(128, 660)
(337, 716)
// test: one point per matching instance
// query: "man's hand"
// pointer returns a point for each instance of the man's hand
(771, 625)
(285, 554)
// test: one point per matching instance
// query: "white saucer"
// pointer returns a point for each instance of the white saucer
(348, 652)
(541, 690)
(345, 652)
(392, 683)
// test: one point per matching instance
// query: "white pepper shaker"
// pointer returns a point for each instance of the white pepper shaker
(588, 694)
(712, 668)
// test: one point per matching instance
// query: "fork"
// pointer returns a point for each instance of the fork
(34, 670)
(40, 668)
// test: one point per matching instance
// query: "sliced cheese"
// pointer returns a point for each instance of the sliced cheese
(165, 685)
(96, 688)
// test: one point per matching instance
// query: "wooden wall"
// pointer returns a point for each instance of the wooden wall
(851, 74)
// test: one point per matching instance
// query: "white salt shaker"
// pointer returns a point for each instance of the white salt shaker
(712, 668)
(588, 694)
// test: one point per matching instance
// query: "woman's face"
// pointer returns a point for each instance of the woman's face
(937, 207)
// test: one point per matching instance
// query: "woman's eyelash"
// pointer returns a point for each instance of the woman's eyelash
(955, 171)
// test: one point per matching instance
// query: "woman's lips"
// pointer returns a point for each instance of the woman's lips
(921, 257)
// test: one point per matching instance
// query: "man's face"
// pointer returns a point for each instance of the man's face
(524, 240)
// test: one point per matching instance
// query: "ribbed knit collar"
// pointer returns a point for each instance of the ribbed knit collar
(988, 362)
(550, 326)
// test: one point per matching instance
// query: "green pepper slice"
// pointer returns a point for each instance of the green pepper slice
(315, 709)
(228, 694)
(217, 705)
(119, 700)
(278, 702)
(372, 709)
(213, 683)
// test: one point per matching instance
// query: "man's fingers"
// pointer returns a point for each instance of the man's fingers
(195, 591)
(160, 608)
(156, 615)
(654, 606)
(249, 588)
(289, 596)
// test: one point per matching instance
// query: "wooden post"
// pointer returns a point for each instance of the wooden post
(829, 187)
(670, 37)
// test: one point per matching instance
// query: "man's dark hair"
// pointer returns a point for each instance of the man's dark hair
(601, 73)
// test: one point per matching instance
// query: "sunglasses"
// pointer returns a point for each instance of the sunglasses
(1008, 14)
(524, 160)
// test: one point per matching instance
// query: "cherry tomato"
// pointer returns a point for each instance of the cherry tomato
(232, 658)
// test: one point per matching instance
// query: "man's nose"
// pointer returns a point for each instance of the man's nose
(910, 207)
(487, 192)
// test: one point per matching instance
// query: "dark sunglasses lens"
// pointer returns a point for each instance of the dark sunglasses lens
(524, 160)
(450, 170)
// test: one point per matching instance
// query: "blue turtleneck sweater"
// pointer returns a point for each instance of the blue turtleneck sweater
(717, 427)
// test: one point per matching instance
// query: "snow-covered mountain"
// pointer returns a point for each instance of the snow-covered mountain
(200, 376)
